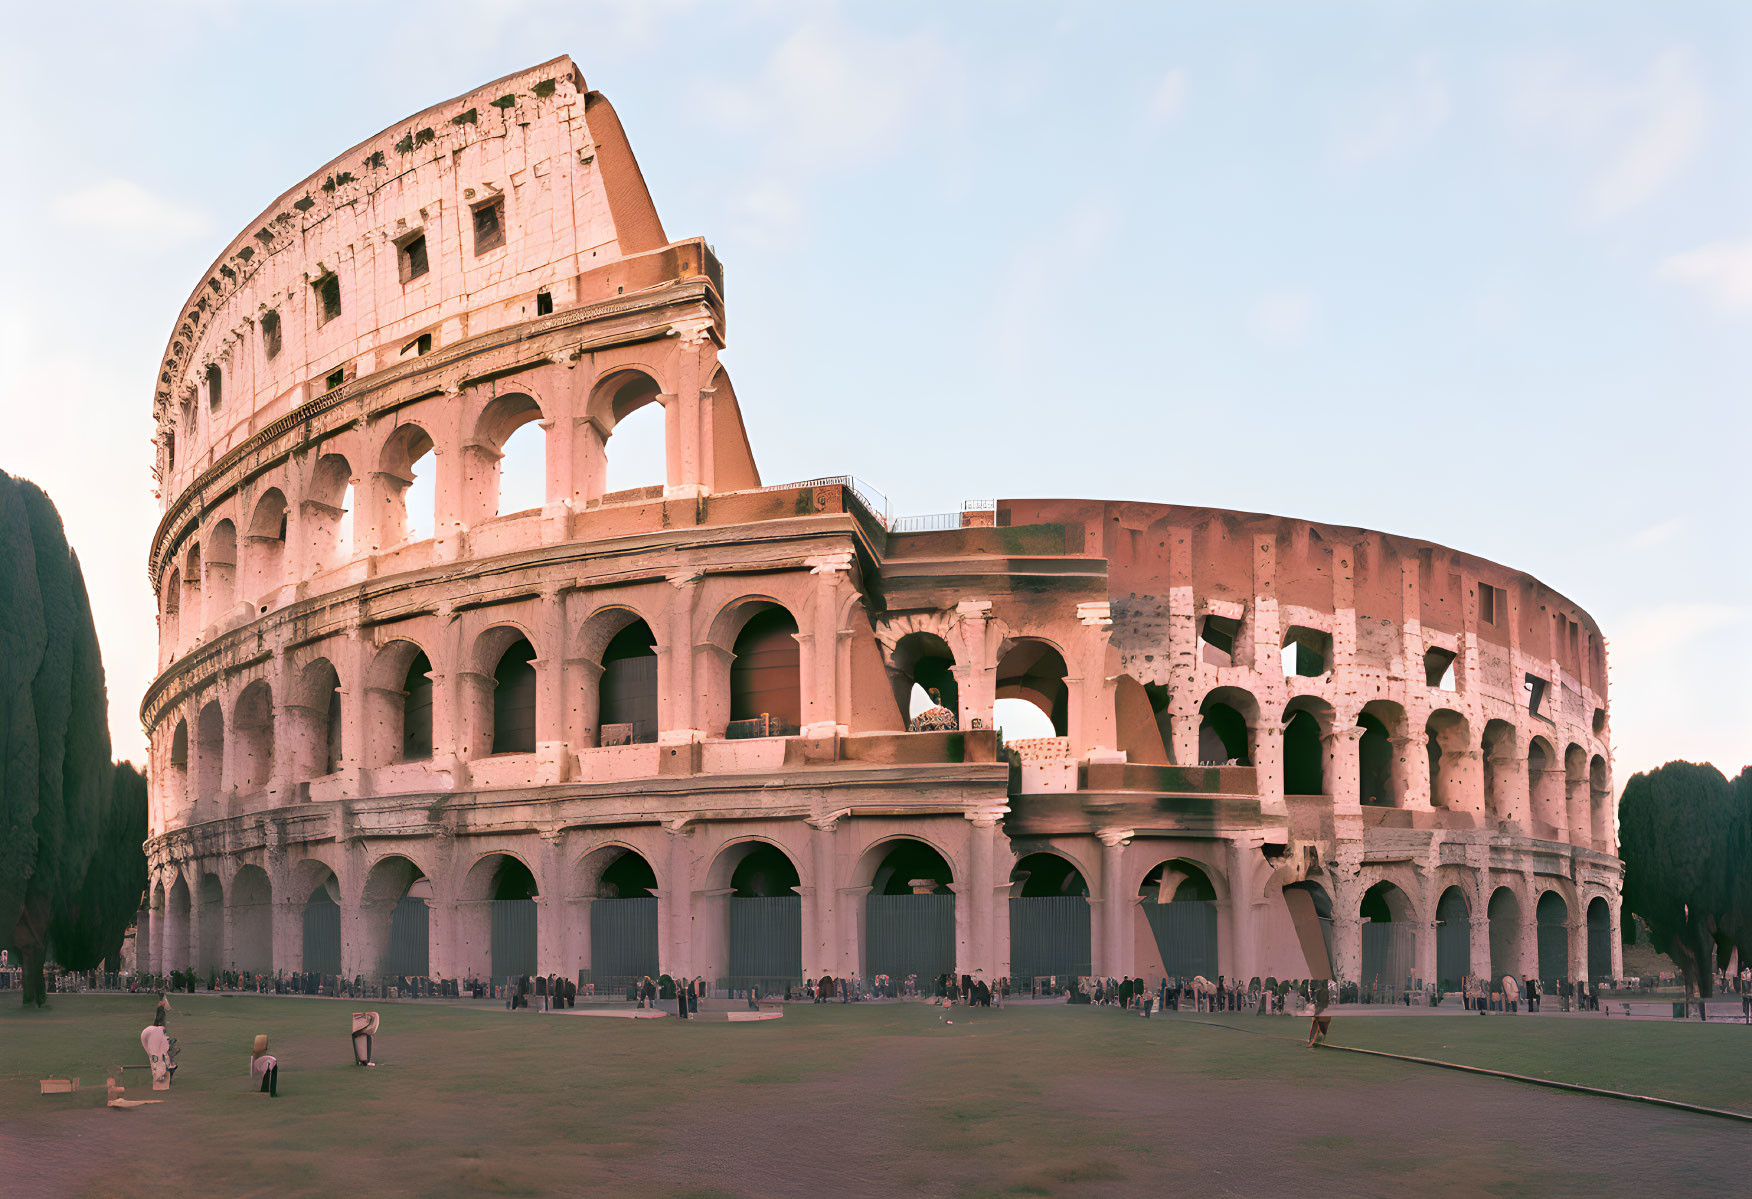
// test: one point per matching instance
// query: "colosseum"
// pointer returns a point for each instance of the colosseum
(421, 713)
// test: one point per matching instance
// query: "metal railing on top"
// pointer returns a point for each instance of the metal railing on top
(874, 502)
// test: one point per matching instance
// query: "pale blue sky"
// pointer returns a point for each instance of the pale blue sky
(1479, 274)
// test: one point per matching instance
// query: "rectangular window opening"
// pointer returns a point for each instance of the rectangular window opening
(544, 303)
(1487, 604)
(1218, 638)
(1535, 689)
(411, 258)
(489, 225)
(271, 334)
(419, 346)
(336, 378)
(328, 294)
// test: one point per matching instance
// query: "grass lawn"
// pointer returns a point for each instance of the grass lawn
(855, 1100)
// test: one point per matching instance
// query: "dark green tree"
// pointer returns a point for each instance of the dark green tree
(55, 761)
(1676, 834)
(92, 926)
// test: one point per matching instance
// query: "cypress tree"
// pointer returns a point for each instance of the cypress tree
(1676, 835)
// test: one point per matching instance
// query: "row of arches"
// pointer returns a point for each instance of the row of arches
(304, 733)
(292, 531)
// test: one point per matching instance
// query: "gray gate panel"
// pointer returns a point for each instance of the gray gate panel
(1553, 952)
(322, 937)
(409, 950)
(513, 937)
(1599, 949)
(1453, 952)
(623, 943)
(1389, 957)
(1186, 937)
(1049, 936)
(766, 941)
(909, 934)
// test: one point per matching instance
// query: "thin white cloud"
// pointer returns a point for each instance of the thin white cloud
(1168, 97)
(1721, 270)
(122, 210)
(1656, 535)
(1283, 318)
(1398, 116)
(1637, 135)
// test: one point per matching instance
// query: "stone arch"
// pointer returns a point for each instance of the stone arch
(252, 726)
(1050, 918)
(1033, 669)
(1575, 789)
(627, 690)
(1453, 938)
(1383, 777)
(209, 765)
(191, 581)
(171, 597)
(496, 915)
(752, 915)
(619, 884)
(177, 765)
(1600, 813)
(315, 735)
(1504, 913)
(398, 704)
(1226, 719)
(1501, 771)
(1308, 722)
(504, 713)
(909, 910)
(876, 870)
(1545, 787)
(622, 405)
(252, 920)
(395, 917)
(922, 662)
(498, 442)
(1551, 917)
(320, 951)
(1453, 762)
(1599, 918)
(764, 671)
(1047, 873)
(326, 514)
(264, 547)
(210, 895)
(1389, 941)
(1179, 901)
(406, 500)
(221, 568)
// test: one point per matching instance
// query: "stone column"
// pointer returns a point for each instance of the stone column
(1347, 948)
(288, 932)
(589, 461)
(1411, 757)
(980, 891)
(550, 666)
(1617, 934)
(678, 720)
(1508, 780)
(1112, 959)
(556, 508)
(819, 658)
(1344, 782)
(1424, 961)
(192, 954)
(676, 956)
(1268, 763)
(827, 946)
(975, 677)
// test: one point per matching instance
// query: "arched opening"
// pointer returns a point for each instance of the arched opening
(322, 927)
(1545, 786)
(1034, 672)
(1500, 770)
(1306, 653)
(627, 690)
(176, 927)
(407, 493)
(177, 762)
(1599, 940)
(395, 918)
(1049, 921)
(209, 753)
(1180, 903)
(1439, 668)
(215, 388)
(191, 598)
(416, 731)
(1552, 915)
(909, 913)
(1575, 793)
(637, 450)
(766, 698)
(221, 569)
(1453, 939)
(1600, 804)
(620, 885)
(1381, 772)
(327, 514)
(762, 918)
(1223, 734)
(315, 714)
(923, 672)
(1389, 943)
(172, 607)
(1306, 723)
(1504, 913)
(264, 552)
(253, 727)
(252, 921)
(509, 463)
(1451, 762)
(1321, 903)
(212, 925)
(498, 915)
(514, 690)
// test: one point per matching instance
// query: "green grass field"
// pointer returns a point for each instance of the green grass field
(858, 1099)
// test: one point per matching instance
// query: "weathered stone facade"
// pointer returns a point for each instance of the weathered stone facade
(353, 716)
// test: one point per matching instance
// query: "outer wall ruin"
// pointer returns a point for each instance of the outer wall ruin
(695, 695)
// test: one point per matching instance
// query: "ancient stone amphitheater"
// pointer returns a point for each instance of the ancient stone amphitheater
(407, 723)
